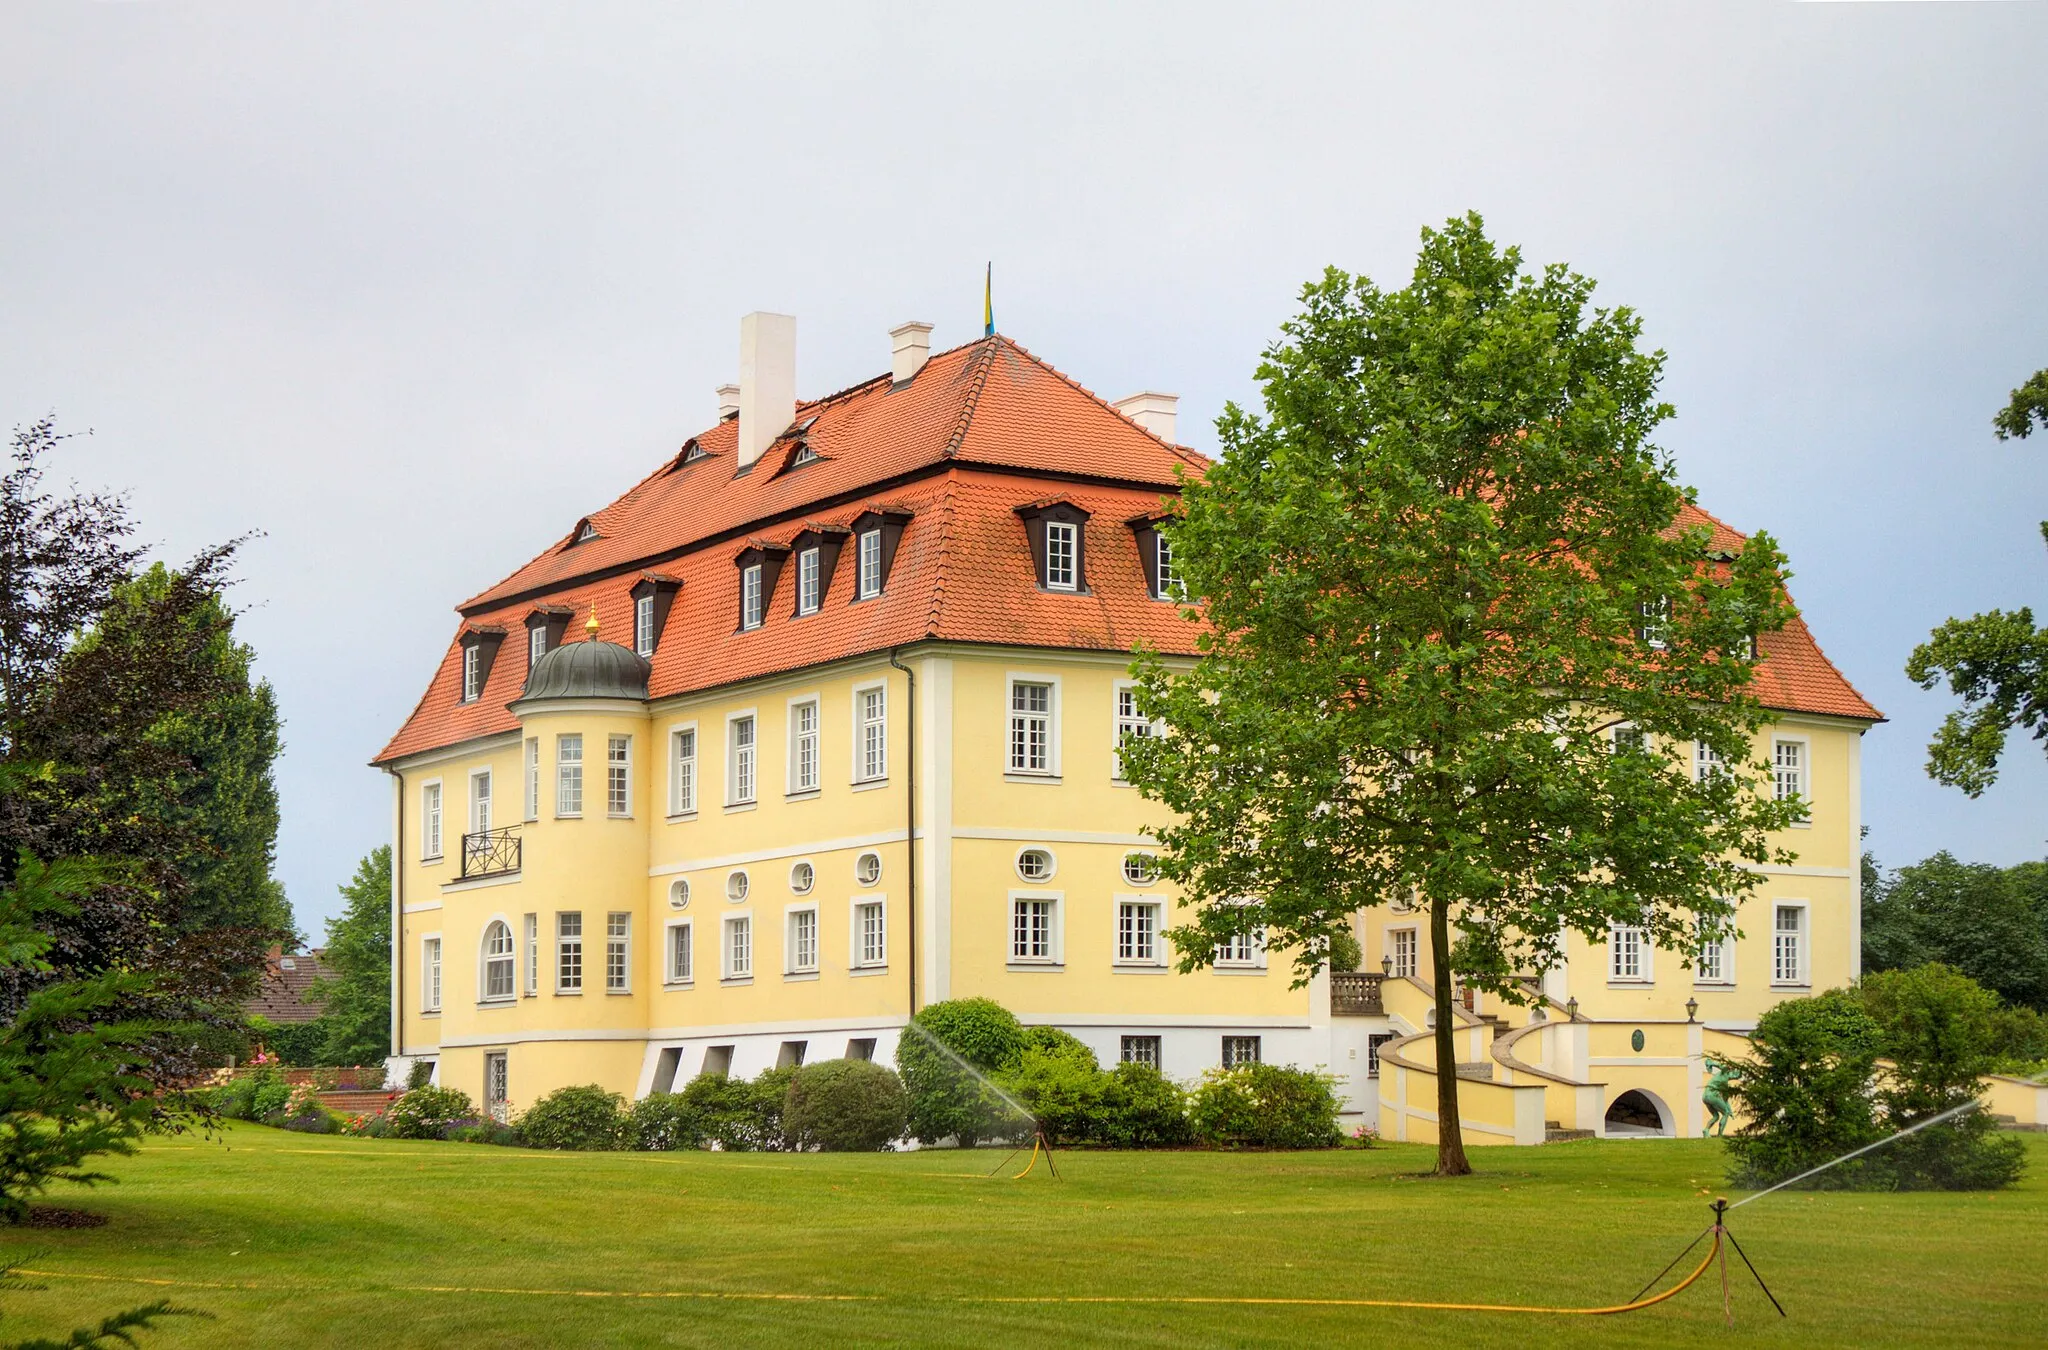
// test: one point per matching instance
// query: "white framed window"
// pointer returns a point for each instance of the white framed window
(1061, 556)
(1654, 622)
(870, 935)
(1788, 945)
(536, 645)
(532, 932)
(1716, 961)
(1401, 945)
(1628, 953)
(618, 952)
(1130, 723)
(1372, 1051)
(1162, 557)
(803, 745)
(1139, 869)
(1626, 738)
(740, 759)
(643, 624)
(472, 668)
(533, 778)
(569, 952)
(499, 962)
(1036, 864)
(430, 821)
(1788, 770)
(1240, 1051)
(807, 576)
(1242, 951)
(569, 775)
(430, 974)
(750, 596)
(1034, 709)
(682, 771)
(679, 893)
(1034, 929)
(738, 885)
(1139, 1050)
(618, 776)
(870, 564)
(497, 1084)
(803, 941)
(867, 868)
(738, 947)
(871, 733)
(678, 969)
(479, 801)
(1137, 933)
(802, 876)
(1706, 762)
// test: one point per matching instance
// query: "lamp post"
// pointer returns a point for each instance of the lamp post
(1692, 1007)
(1387, 967)
(1571, 1008)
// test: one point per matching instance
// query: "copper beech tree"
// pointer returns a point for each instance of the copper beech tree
(1461, 644)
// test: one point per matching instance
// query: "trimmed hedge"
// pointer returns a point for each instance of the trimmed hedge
(845, 1106)
(585, 1119)
(1265, 1106)
(663, 1121)
(945, 1099)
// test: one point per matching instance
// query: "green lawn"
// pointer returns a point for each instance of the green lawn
(292, 1240)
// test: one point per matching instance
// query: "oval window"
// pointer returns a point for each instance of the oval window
(867, 868)
(1034, 864)
(679, 895)
(800, 878)
(736, 887)
(1138, 869)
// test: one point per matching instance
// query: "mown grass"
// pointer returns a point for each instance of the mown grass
(291, 1240)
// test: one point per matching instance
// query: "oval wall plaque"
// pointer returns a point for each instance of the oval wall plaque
(1635, 1039)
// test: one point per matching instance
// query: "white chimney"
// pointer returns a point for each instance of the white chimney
(767, 382)
(910, 346)
(1154, 412)
(728, 401)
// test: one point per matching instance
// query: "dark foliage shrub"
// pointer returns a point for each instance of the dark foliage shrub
(2019, 1039)
(1939, 1041)
(270, 1099)
(1265, 1106)
(1141, 1108)
(1806, 1088)
(236, 1098)
(947, 1100)
(294, 1043)
(845, 1106)
(427, 1112)
(1345, 953)
(1057, 1080)
(742, 1116)
(314, 1119)
(584, 1119)
(484, 1131)
(664, 1121)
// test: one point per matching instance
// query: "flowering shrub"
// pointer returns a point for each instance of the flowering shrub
(1362, 1136)
(427, 1113)
(1265, 1106)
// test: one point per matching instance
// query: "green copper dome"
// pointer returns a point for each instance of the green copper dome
(590, 669)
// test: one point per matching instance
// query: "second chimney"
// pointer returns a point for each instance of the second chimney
(1154, 412)
(767, 382)
(910, 346)
(728, 401)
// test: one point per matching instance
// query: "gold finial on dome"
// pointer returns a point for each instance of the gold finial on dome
(590, 626)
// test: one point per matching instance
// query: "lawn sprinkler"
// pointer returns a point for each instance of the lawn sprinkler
(1724, 1238)
(1038, 1146)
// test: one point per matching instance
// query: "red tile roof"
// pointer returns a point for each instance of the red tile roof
(287, 984)
(975, 435)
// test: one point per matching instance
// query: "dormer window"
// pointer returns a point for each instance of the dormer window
(1168, 585)
(1057, 530)
(1655, 625)
(586, 532)
(479, 649)
(536, 644)
(1062, 556)
(643, 625)
(876, 534)
(1155, 556)
(760, 563)
(750, 596)
(472, 677)
(652, 596)
(870, 564)
(817, 556)
(544, 629)
(804, 455)
(808, 595)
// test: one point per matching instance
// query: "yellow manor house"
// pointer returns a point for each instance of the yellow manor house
(818, 723)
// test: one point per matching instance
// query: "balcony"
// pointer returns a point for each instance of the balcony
(490, 853)
(1355, 993)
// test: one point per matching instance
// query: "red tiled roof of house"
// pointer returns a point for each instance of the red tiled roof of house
(287, 979)
(974, 436)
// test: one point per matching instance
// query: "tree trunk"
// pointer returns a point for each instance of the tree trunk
(1450, 1135)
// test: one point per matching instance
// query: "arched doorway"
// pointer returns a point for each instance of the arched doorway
(1637, 1114)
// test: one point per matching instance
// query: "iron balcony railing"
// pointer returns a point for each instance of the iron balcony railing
(1355, 993)
(490, 853)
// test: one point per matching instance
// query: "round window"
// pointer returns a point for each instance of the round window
(736, 887)
(1034, 864)
(1138, 869)
(800, 878)
(679, 895)
(867, 868)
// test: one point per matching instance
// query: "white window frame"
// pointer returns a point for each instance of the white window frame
(569, 777)
(874, 880)
(531, 750)
(472, 664)
(1258, 1043)
(1154, 1040)
(1051, 771)
(643, 624)
(804, 775)
(1157, 905)
(1119, 725)
(811, 884)
(752, 603)
(536, 645)
(1627, 735)
(1169, 587)
(681, 974)
(862, 725)
(530, 933)
(432, 803)
(1068, 579)
(857, 956)
(1706, 762)
(809, 594)
(485, 959)
(1626, 940)
(1723, 948)
(431, 973)
(618, 941)
(792, 950)
(1803, 945)
(1656, 622)
(562, 941)
(730, 972)
(1150, 870)
(868, 564)
(1246, 952)
(682, 770)
(480, 803)
(1803, 774)
(1052, 864)
(1392, 945)
(734, 759)
(618, 776)
(1055, 955)
(746, 885)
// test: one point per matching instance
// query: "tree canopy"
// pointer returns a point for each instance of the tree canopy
(357, 1020)
(1461, 642)
(1990, 923)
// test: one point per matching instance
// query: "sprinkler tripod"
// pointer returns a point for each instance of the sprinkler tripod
(1038, 1145)
(1723, 1240)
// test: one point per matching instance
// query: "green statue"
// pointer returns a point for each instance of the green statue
(1719, 1112)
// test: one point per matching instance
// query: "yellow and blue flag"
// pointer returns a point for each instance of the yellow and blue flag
(988, 302)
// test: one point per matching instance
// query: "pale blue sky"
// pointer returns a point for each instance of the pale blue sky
(412, 286)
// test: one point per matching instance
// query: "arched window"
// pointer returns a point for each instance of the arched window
(498, 960)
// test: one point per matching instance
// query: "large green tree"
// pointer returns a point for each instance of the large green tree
(1995, 662)
(1439, 574)
(358, 1016)
(1990, 923)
